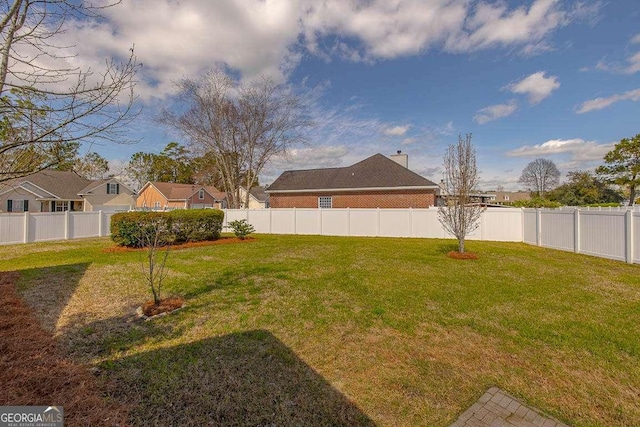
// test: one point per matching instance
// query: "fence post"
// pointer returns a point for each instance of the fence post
(538, 227)
(295, 221)
(576, 230)
(26, 228)
(348, 222)
(320, 220)
(377, 222)
(67, 218)
(270, 221)
(628, 225)
(100, 231)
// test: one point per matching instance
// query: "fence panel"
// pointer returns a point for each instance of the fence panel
(260, 219)
(83, 224)
(335, 222)
(395, 222)
(426, 224)
(636, 237)
(363, 222)
(503, 225)
(530, 226)
(284, 222)
(11, 228)
(602, 233)
(47, 226)
(557, 229)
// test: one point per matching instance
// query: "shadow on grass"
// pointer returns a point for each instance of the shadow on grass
(445, 248)
(238, 277)
(241, 379)
(50, 289)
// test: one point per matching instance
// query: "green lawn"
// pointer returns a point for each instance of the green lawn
(308, 330)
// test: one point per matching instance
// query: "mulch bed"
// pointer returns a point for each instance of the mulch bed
(220, 241)
(166, 305)
(34, 371)
(464, 255)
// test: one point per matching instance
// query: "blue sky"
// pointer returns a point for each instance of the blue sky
(538, 78)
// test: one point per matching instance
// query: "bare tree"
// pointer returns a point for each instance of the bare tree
(242, 126)
(540, 176)
(44, 103)
(459, 215)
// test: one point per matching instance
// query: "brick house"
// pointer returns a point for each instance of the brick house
(375, 182)
(167, 195)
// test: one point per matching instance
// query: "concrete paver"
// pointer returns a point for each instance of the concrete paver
(497, 408)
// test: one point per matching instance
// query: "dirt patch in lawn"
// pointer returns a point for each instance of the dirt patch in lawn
(220, 241)
(33, 370)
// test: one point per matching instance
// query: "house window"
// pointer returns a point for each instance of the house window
(17, 205)
(157, 205)
(113, 188)
(60, 206)
(325, 202)
(201, 194)
(506, 197)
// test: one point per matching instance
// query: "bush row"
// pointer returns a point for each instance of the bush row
(140, 229)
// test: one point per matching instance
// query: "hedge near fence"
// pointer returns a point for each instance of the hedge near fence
(138, 229)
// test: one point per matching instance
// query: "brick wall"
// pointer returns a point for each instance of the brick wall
(372, 199)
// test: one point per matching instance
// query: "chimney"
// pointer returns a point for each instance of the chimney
(401, 159)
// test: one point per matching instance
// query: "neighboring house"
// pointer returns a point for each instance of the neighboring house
(375, 182)
(258, 198)
(56, 191)
(167, 195)
(508, 197)
(108, 195)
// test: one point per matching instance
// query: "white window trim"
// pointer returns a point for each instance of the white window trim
(113, 188)
(326, 198)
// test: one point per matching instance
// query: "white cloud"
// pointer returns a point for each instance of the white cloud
(494, 24)
(495, 112)
(536, 86)
(600, 103)
(578, 149)
(631, 66)
(396, 130)
(178, 39)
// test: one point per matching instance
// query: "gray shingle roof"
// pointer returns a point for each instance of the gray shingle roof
(64, 184)
(376, 171)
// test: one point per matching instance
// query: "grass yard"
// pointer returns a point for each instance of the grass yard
(309, 330)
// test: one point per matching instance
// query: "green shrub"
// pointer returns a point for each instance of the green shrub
(196, 225)
(536, 202)
(241, 228)
(133, 229)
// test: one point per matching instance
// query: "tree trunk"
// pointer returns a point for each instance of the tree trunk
(632, 194)
(461, 245)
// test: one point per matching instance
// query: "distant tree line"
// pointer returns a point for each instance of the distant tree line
(615, 181)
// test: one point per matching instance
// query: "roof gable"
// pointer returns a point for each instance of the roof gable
(172, 191)
(63, 185)
(375, 172)
(96, 183)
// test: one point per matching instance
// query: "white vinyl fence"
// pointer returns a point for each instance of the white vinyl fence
(43, 226)
(611, 234)
(496, 223)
